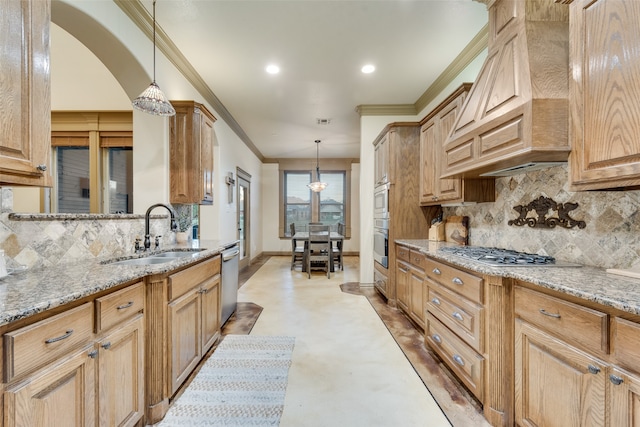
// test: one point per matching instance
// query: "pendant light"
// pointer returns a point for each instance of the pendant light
(317, 186)
(153, 100)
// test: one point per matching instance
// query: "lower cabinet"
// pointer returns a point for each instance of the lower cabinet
(624, 394)
(410, 288)
(62, 394)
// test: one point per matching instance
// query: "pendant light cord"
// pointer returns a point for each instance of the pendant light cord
(154, 41)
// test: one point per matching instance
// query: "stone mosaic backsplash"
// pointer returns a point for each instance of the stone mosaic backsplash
(611, 238)
(46, 240)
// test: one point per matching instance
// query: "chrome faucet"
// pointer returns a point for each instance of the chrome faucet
(147, 236)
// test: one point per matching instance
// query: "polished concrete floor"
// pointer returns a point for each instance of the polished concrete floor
(356, 362)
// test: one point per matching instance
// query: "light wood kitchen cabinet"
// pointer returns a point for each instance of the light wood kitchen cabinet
(25, 123)
(556, 383)
(381, 161)
(193, 318)
(410, 283)
(605, 94)
(191, 141)
(435, 128)
(624, 395)
(380, 279)
(407, 219)
(455, 323)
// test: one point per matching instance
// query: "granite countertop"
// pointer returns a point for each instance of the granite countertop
(29, 292)
(589, 283)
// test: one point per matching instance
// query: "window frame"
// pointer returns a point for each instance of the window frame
(309, 165)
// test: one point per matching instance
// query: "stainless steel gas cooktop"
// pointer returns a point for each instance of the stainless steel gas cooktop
(497, 257)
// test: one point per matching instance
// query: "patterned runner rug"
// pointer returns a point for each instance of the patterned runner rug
(242, 384)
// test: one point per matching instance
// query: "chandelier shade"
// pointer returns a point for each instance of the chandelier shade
(317, 186)
(153, 100)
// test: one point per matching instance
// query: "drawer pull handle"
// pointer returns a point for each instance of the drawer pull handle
(457, 281)
(615, 379)
(458, 360)
(436, 301)
(436, 338)
(106, 345)
(60, 338)
(123, 306)
(593, 369)
(457, 316)
(436, 271)
(546, 313)
(93, 354)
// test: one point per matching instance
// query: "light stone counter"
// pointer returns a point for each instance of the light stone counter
(589, 283)
(29, 292)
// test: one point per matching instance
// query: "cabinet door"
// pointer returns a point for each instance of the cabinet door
(402, 285)
(417, 296)
(184, 324)
(447, 188)
(210, 291)
(605, 94)
(624, 392)
(121, 375)
(556, 385)
(428, 170)
(206, 159)
(25, 122)
(381, 160)
(62, 394)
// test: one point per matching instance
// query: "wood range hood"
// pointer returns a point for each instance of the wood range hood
(516, 116)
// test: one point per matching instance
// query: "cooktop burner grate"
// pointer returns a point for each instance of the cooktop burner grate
(505, 257)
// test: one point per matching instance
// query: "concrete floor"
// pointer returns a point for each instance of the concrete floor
(347, 368)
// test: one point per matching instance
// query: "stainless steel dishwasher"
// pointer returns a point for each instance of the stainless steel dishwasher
(229, 291)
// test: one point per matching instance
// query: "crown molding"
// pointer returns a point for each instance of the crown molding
(143, 20)
(386, 110)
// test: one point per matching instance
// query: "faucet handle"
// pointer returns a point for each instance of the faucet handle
(138, 246)
(158, 241)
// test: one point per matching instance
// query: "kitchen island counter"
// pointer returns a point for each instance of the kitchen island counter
(25, 293)
(585, 282)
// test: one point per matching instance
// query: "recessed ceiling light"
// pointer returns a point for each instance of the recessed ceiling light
(368, 69)
(273, 69)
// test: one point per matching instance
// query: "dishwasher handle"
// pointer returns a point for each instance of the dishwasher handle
(227, 255)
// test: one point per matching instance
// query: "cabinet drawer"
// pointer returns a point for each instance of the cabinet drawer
(183, 281)
(583, 326)
(462, 359)
(118, 306)
(417, 259)
(403, 253)
(458, 281)
(626, 344)
(33, 346)
(460, 315)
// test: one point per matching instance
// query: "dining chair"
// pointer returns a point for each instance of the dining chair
(297, 251)
(337, 246)
(319, 252)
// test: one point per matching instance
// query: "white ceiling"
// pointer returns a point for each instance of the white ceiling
(320, 46)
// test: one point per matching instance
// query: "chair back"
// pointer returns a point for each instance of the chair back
(319, 237)
(341, 229)
(292, 229)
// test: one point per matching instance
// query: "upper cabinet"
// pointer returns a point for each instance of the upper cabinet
(191, 153)
(433, 132)
(381, 160)
(605, 94)
(25, 95)
(517, 110)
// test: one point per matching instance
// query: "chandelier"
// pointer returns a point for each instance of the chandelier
(153, 100)
(317, 186)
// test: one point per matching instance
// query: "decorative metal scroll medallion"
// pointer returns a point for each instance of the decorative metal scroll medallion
(542, 205)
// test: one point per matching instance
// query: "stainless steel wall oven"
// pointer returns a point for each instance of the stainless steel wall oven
(381, 241)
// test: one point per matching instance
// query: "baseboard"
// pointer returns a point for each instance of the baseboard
(288, 253)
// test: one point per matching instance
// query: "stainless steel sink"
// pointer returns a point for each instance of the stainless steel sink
(158, 258)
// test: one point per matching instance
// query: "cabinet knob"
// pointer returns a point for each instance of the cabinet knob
(593, 369)
(458, 359)
(436, 271)
(41, 168)
(457, 316)
(616, 380)
(457, 281)
(93, 354)
(436, 338)
(106, 345)
(436, 301)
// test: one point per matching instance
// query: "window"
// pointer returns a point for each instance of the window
(299, 205)
(72, 179)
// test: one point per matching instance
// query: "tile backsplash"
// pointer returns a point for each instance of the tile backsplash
(46, 240)
(610, 239)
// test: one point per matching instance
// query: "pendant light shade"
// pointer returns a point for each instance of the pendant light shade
(153, 100)
(317, 186)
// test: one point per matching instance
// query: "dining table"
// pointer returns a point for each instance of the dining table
(303, 236)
